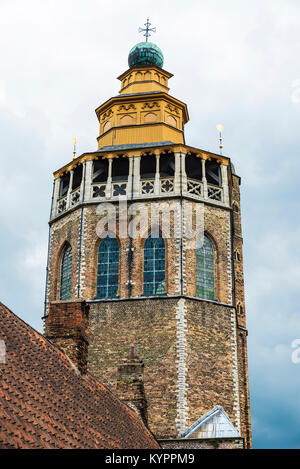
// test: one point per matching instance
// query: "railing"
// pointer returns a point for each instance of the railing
(62, 204)
(119, 188)
(195, 187)
(102, 190)
(163, 187)
(166, 186)
(75, 197)
(147, 186)
(214, 193)
(98, 190)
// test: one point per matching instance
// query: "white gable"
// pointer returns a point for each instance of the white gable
(214, 424)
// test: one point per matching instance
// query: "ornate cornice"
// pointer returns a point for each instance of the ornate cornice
(148, 98)
(142, 152)
(126, 107)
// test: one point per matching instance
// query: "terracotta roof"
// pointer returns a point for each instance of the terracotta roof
(46, 403)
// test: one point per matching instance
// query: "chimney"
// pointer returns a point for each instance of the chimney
(67, 326)
(130, 384)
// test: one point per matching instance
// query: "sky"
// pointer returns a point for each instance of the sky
(234, 63)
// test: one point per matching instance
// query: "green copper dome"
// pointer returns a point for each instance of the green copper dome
(145, 53)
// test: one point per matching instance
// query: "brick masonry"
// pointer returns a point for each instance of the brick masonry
(194, 351)
(130, 385)
(181, 348)
(149, 325)
(85, 248)
(67, 327)
(187, 349)
(193, 443)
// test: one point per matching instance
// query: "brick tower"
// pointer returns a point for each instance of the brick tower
(119, 277)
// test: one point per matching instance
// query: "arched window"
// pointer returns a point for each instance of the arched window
(235, 207)
(108, 269)
(66, 274)
(205, 270)
(236, 256)
(154, 266)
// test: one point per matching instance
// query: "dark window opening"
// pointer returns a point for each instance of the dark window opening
(120, 169)
(235, 207)
(193, 167)
(166, 165)
(66, 274)
(236, 256)
(148, 167)
(64, 185)
(100, 170)
(77, 177)
(213, 173)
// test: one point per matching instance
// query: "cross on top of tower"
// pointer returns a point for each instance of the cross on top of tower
(147, 30)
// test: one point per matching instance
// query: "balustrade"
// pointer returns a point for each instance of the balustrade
(136, 186)
(62, 205)
(214, 193)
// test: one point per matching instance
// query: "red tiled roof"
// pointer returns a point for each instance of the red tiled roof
(46, 403)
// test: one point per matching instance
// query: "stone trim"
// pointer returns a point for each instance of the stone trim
(81, 255)
(158, 297)
(184, 248)
(48, 288)
(229, 262)
(181, 345)
(133, 150)
(235, 371)
(178, 241)
(136, 199)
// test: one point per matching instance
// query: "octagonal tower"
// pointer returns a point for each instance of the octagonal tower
(174, 299)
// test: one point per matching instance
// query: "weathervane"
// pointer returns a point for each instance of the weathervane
(147, 30)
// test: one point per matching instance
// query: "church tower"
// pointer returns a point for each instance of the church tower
(145, 284)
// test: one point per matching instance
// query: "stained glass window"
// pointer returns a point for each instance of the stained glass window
(205, 271)
(108, 269)
(66, 274)
(154, 266)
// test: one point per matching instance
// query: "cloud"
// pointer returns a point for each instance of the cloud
(234, 63)
(31, 264)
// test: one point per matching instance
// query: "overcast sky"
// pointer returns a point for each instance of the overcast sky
(235, 63)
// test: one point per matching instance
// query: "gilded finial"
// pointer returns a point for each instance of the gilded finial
(147, 30)
(74, 148)
(220, 128)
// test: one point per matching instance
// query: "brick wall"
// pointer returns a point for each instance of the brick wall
(193, 443)
(84, 276)
(210, 360)
(195, 352)
(149, 325)
(67, 326)
(182, 379)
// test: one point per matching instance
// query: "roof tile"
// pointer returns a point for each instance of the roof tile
(45, 403)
